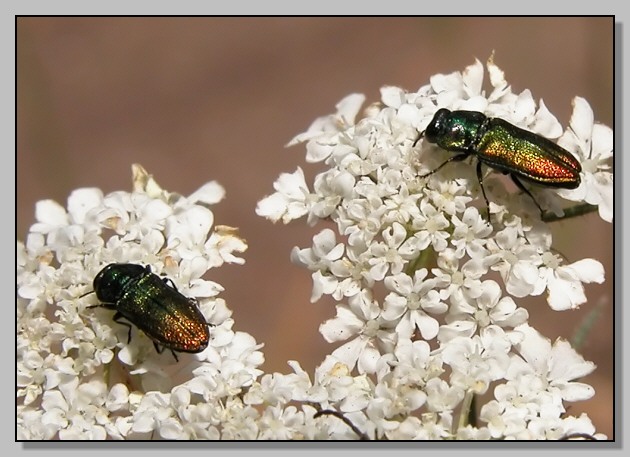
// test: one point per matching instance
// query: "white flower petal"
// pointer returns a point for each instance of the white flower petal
(392, 96)
(349, 107)
(340, 328)
(210, 194)
(83, 200)
(582, 118)
(51, 213)
(577, 391)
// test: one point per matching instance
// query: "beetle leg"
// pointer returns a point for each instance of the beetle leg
(420, 136)
(483, 189)
(102, 305)
(117, 318)
(169, 282)
(520, 185)
(160, 349)
(455, 158)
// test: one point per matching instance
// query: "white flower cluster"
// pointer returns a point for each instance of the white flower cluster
(424, 320)
(77, 376)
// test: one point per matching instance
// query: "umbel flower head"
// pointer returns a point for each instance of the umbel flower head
(423, 319)
(78, 376)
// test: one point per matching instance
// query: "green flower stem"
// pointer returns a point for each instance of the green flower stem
(464, 414)
(573, 211)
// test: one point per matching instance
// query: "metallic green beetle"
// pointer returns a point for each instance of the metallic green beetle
(156, 307)
(504, 147)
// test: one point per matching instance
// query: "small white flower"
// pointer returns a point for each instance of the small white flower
(517, 261)
(411, 303)
(360, 319)
(290, 201)
(469, 234)
(455, 280)
(430, 228)
(385, 256)
(557, 365)
(441, 396)
(330, 189)
(564, 282)
(278, 423)
(477, 361)
(327, 127)
(593, 143)
(222, 246)
(490, 308)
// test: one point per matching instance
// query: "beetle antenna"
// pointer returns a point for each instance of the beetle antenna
(418, 139)
(87, 293)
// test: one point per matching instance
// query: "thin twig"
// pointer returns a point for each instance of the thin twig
(348, 422)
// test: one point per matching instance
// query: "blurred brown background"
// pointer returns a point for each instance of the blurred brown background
(196, 99)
